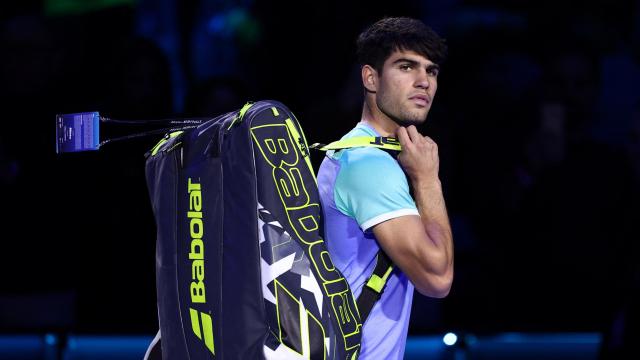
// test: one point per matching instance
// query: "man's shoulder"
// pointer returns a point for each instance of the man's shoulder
(369, 171)
(367, 159)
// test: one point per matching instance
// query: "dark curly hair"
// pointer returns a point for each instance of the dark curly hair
(377, 42)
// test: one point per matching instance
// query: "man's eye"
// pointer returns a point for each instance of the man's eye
(433, 72)
(405, 67)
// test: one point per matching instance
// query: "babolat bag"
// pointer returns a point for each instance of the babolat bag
(242, 269)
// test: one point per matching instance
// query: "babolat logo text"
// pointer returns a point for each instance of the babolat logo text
(196, 256)
(278, 148)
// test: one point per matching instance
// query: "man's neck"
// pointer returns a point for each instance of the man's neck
(375, 118)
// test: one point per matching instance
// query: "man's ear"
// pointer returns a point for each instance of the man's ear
(369, 78)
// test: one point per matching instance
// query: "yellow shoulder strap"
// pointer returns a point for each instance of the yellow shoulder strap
(381, 142)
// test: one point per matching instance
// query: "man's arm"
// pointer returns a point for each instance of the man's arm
(422, 247)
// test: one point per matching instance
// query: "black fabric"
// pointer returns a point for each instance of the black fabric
(368, 297)
(162, 177)
(238, 220)
(243, 313)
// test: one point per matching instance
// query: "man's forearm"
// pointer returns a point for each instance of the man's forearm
(433, 213)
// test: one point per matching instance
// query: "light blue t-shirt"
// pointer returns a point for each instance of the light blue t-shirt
(360, 188)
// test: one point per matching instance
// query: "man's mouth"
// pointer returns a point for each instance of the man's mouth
(420, 99)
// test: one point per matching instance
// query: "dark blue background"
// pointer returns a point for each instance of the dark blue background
(537, 118)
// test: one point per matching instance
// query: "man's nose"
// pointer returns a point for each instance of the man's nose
(422, 80)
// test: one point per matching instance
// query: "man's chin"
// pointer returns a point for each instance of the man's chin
(408, 122)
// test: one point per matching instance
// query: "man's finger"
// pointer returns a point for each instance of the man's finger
(405, 140)
(402, 135)
(414, 134)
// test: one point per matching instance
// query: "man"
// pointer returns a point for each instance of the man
(365, 193)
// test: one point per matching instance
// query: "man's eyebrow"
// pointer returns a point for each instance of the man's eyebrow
(415, 63)
(405, 60)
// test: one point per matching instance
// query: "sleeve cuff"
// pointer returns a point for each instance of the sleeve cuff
(387, 216)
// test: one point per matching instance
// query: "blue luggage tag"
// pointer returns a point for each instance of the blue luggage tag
(77, 132)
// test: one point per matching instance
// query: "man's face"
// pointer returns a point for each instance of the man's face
(406, 87)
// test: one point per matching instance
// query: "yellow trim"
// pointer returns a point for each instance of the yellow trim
(377, 283)
(313, 219)
(262, 151)
(271, 145)
(207, 329)
(241, 114)
(325, 263)
(278, 286)
(162, 141)
(293, 172)
(363, 141)
(296, 136)
(283, 146)
(275, 111)
(195, 323)
(308, 155)
(283, 185)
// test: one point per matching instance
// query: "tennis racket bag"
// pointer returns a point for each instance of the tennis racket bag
(242, 270)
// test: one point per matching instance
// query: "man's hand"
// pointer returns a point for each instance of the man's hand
(419, 156)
